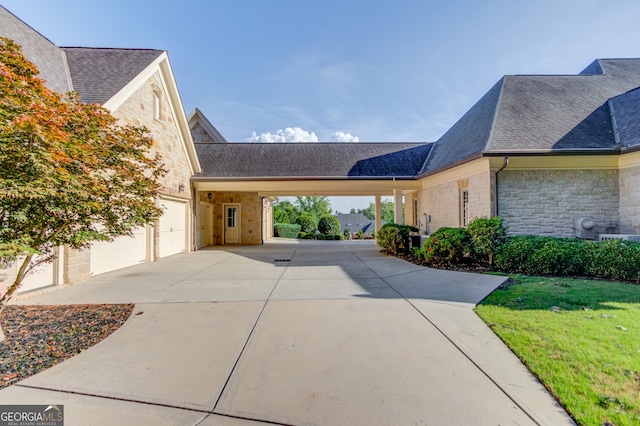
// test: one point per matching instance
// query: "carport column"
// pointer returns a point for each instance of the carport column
(378, 213)
(397, 206)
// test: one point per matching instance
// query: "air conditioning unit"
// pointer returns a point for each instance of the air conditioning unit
(624, 237)
(585, 228)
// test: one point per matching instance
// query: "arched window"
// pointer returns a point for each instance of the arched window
(156, 105)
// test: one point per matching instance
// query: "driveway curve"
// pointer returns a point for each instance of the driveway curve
(291, 333)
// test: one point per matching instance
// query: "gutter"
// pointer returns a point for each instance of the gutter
(295, 178)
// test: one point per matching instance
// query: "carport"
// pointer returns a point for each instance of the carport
(241, 178)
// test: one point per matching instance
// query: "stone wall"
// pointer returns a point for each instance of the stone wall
(251, 210)
(630, 200)
(138, 111)
(442, 201)
(77, 266)
(545, 202)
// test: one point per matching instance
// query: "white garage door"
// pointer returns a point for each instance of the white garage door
(172, 228)
(122, 252)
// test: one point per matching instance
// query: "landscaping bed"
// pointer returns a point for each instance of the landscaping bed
(38, 337)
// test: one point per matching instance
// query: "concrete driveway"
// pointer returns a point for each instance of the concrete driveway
(292, 333)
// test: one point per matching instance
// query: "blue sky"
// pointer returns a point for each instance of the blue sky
(344, 69)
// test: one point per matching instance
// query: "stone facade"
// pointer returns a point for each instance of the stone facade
(442, 201)
(630, 200)
(251, 210)
(545, 202)
(138, 110)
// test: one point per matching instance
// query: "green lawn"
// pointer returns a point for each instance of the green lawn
(580, 337)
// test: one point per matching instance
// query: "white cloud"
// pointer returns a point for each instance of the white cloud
(344, 137)
(290, 134)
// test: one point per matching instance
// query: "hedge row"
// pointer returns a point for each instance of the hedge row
(286, 230)
(484, 242)
(532, 255)
(314, 236)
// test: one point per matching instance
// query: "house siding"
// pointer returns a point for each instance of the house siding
(630, 200)
(545, 202)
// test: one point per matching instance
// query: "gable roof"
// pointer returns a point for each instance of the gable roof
(202, 130)
(46, 56)
(99, 73)
(316, 160)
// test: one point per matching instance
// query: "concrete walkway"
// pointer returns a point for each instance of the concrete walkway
(291, 333)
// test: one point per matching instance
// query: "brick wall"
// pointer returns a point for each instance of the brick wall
(545, 202)
(630, 200)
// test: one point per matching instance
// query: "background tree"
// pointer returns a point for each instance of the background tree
(316, 206)
(285, 212)
(69, 174)
(329, 225)
(387, 211)
(307, 222)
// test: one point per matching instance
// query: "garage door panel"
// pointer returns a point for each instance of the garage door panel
(120, 253)
(173, 230)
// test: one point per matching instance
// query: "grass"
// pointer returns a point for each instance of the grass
(581, 338)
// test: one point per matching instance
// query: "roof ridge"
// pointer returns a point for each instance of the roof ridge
(112, 48)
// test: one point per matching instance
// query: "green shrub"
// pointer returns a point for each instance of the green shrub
(302, 235)
(487, 235)
(360, 234)
(390, 239)
(447, 246)
(347, 233)
(309, 236)
(307, 222)
(613, 259)
(399, 242)
(515, 254)
(329, 225)
(286, 230)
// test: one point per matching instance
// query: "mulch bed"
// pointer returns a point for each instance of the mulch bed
(38, 337)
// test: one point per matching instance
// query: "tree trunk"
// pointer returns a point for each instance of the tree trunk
(13, 287)
(16, 283)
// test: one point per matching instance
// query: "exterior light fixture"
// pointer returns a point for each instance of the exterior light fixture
(209, 195)
(181, 187)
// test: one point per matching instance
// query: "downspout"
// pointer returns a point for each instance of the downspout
(495, 184)
(261, 220)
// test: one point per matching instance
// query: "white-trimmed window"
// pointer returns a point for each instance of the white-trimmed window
(464, 207)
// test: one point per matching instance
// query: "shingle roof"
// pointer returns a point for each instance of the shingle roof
(626, 110)
(560, 113)
(100, 73)
(46, 56)
(335, 160)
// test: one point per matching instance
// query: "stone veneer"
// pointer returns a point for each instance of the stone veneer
(442, 201)
(251, 210)
(545, 202)
(630, 200)
(137, 110)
